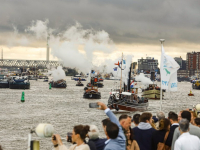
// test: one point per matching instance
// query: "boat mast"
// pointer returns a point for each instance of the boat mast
(121, 75)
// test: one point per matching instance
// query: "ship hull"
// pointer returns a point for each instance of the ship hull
(4, 85)
(152, 94)
(55, 85)
(92, 95)
(19, 86)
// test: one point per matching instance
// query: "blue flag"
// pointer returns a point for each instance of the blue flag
(115, 69)
(124, 61)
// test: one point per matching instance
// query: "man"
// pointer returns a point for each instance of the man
(136, 120)
(143, 132)
(186, 141)
(193, 129)
(116, 138)
(94, 137)
(160, 115)
(173, 118)
(125, 122)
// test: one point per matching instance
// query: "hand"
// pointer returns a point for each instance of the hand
(53, 141)
(102, 106)
(57, 141)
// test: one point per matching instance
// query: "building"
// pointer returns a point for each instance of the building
(193, 62)
(147, 65)
(181, 62)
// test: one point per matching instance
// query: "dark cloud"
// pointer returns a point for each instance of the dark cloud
(127, 21)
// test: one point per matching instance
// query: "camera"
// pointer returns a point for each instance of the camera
(69, 137)
(54, 137)
(93, 105)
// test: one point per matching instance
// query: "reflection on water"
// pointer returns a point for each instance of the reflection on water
(64, 108)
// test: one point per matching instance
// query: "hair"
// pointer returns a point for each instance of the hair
(1, 148)
(105, 121)
(136, 118)
(160, 115)
(94, 132)
(193, 113)
(81, 130)
(197, 121)
(123, 117)
(164, 124)
(131, 133)
(112, 130)
(172, 115)
(186, 115)
(184, 125)
(145, 116)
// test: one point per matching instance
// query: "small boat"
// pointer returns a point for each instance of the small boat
(190, 94)
(4, 83)
(58, 84)
(46, 79)
(79, 83)
(19, 83)
(31, 77)
(152, 92)
(100, 79)
(92, 93)
(196, 84)
(78, 78)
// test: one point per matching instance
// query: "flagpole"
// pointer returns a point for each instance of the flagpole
(162, 41)
(121, 75)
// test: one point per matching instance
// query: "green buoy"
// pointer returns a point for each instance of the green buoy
(22, 97)
(49, 85)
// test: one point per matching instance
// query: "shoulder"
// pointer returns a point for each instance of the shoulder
(85, 147)
(194, 137)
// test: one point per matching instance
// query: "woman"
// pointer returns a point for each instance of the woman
(193, 116)
(131, 143)
(78, 137)
(158, 136)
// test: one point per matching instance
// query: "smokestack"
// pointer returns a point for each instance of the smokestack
(2, 54)
(47, 56)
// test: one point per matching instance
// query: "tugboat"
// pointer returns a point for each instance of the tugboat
(152, 92)
(79, 83)
(18, 83)
(3, 82)
(126, 100)
(58, 84)
(96, 83)
(92, 91)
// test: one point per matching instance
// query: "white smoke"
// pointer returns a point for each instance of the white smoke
(57, 74)
(145, 81)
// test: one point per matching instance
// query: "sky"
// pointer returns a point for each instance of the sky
(98, 30)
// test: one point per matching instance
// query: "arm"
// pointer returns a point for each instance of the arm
(58, 141)
(175, 137)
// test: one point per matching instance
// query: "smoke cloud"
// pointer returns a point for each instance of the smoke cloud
(57, 74)
(145, 81)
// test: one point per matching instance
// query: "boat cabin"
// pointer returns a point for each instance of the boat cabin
(92, 88)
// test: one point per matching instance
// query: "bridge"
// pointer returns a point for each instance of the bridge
(40, 64)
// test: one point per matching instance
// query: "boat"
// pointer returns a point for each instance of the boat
(31, 77)
(126, 100)
(46, 79)
(19, 83)
(100, 79)
(78, 78)
(95, 83)
(79, 83)
(196, 84)
(4, 83)
(58, 84)
(152, 92)
(92, 93)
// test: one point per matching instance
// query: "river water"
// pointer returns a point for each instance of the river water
(64, 108)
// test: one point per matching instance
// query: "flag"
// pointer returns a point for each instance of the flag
(117, 63)
(168, 70)
(115, 69)
(124, 61)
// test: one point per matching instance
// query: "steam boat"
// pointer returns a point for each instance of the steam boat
(19, 83)
(79, 83)
(58, 84)
(152, 92)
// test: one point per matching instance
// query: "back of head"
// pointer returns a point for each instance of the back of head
(184, 125)
(197, 121)
(186, 115)
(94, 132)
(160, 115)
(112, 130)
(105, 122)
(81, 130)
(173, 116)
(123, 117)
(145, 116)
(136, 118)
(164, 124)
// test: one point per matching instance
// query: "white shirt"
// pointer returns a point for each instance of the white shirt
(186, 141)
(175, 124)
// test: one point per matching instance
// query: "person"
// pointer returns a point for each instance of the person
(78, 136)
(197, 122)
(179, 115)
(131, 143)
(104, 124)
(193, 116)
(193, 129)
(143, 132)
(93, 135)
(158, 136)
(125, 121)
(135, 119)
(173, 118)
(186, 141)
(114, 132)
(160, 115)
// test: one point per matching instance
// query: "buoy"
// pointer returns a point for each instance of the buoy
(49, 85)
(190, 94)
(22, 97)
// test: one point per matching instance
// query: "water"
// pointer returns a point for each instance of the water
(64, 108)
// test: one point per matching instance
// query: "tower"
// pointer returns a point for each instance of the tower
(47, 56)
(2, 54)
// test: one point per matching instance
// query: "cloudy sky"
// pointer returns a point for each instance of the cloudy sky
(132, 26)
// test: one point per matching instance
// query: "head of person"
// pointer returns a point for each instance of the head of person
(179, 116)
(112, 130)
(164, 124)
(136, 119)
(197, 122)
(94, 132)
(146, 117)
(79, 133)
(186, 115)
(104, 124)
(160, 115)
(129, 134)
(184, 125)
(173, 117)
(193, 116)
(125, 121)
